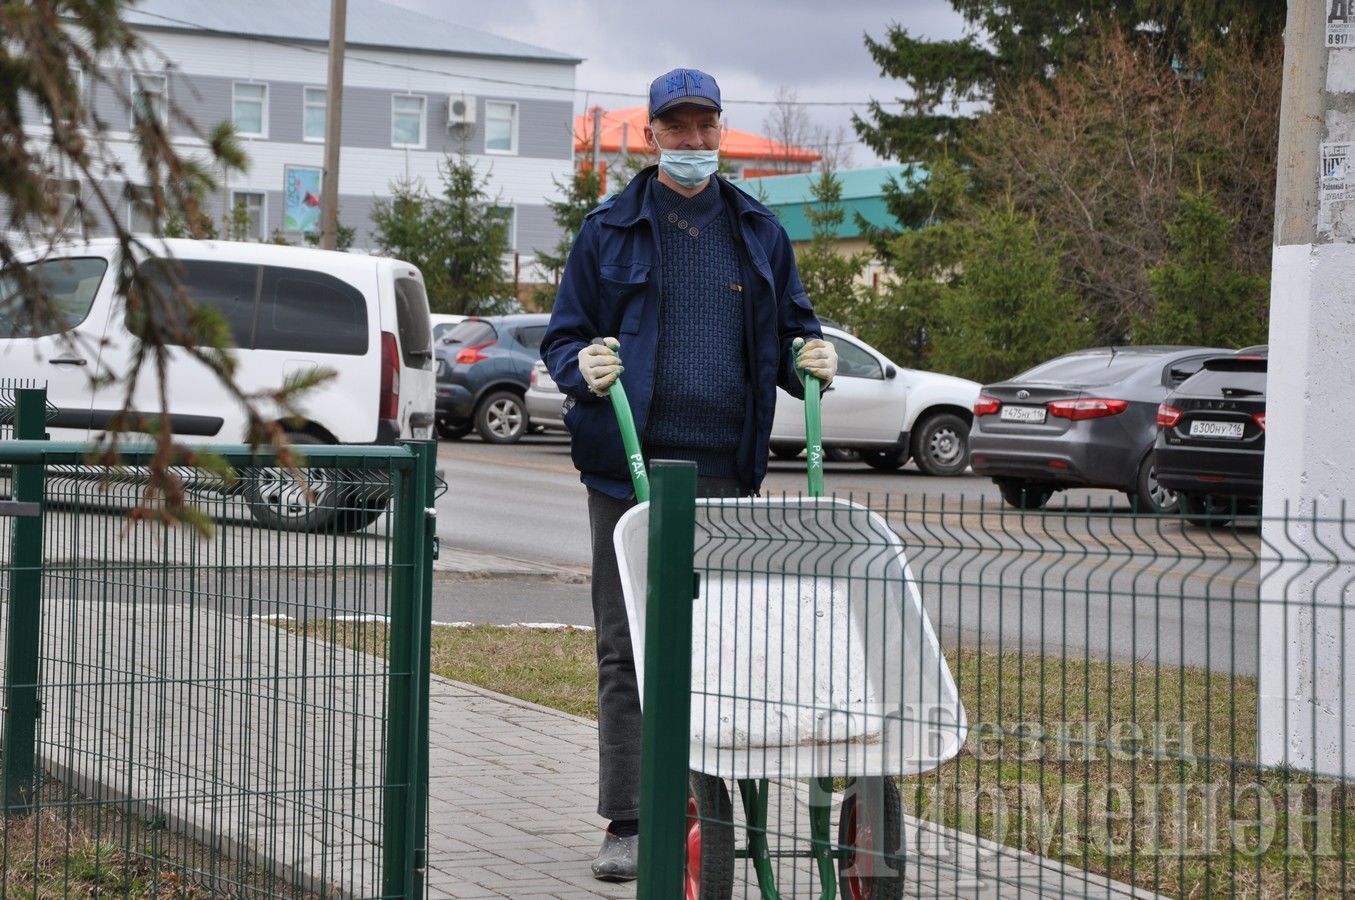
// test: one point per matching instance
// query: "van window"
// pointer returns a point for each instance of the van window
(310, 312)
(411, 317)
(227, 288)
(71, 283)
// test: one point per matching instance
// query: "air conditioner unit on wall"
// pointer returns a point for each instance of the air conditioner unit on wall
(460, 110)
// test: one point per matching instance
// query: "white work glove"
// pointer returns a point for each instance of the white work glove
(818, 358)
(600, 366)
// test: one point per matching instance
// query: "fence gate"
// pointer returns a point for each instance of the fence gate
(235, 711)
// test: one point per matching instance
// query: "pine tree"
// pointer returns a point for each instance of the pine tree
(578, 198)
(1007, 309)
(1013, 41)
(1202, 298)
(458, 240)
(829, 276)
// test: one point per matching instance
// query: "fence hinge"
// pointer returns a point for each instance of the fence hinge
(20, 509)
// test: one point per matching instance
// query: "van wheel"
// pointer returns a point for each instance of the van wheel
(325, 499)
(501, 418)
(941, 444)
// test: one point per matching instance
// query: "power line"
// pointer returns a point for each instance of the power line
(280, 42)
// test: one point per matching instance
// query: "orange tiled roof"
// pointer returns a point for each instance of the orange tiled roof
(733, 143)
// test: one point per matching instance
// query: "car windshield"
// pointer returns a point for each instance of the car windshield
(1085, 369)
(71, 283)
(470, 332)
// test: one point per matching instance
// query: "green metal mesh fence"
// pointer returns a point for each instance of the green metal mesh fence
(200, 728)
(1094, 704)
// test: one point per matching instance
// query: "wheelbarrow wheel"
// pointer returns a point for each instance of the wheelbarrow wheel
(869, 828)
(710, 839)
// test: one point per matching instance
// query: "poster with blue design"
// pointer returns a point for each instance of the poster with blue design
(301, 198)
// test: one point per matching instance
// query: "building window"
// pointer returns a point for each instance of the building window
(313, 114)
(78, 81)
(149, 98)
(407, 121)
(140, 210)
(251, 110)
(249, 216)
(501, 127)
(508, 214)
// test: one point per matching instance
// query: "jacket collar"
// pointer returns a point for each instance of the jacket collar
(629, 207)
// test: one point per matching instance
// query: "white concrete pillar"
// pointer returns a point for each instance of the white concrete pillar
(1306, 670)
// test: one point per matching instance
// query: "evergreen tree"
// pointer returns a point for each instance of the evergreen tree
(1202, 298)
(1014, 41)
(1007, 310)
(829, 276)
(458, 240)
(578, 198)
(905, 315)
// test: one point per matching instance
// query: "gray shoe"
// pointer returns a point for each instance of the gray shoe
(618, 858)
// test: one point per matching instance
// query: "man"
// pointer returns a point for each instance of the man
(694, 284)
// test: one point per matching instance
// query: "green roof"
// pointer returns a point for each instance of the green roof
(862, 192)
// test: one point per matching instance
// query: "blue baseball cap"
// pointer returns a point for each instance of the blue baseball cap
(683, 87)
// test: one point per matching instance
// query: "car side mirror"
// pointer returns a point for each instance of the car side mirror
(890, 371)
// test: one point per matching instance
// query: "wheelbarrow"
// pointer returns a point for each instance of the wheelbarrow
(812, 659)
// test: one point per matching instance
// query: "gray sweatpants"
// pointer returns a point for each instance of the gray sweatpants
(618, 693)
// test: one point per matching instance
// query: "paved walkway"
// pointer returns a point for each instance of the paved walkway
(238, 751)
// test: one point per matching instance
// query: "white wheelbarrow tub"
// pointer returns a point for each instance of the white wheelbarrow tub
(812, 655)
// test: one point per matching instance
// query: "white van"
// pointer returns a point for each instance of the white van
(290, 310)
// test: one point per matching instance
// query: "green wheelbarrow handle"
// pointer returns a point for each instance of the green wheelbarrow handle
(625, 420)
(813, 425)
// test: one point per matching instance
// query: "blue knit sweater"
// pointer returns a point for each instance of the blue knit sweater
(701, 372)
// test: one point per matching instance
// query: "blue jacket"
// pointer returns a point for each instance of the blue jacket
(610, 288)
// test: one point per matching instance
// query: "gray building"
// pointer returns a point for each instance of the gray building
(416, 89)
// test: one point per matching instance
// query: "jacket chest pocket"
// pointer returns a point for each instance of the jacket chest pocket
(624, 291)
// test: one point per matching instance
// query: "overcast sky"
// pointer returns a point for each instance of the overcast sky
(752, 47)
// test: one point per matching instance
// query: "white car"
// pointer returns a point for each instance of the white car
(886, 413)
(443, 323)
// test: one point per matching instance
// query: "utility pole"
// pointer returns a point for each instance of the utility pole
(597, 136)
(329, 188)
(1306, 707)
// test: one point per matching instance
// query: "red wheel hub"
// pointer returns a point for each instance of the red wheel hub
(861, 839)
(693, 880)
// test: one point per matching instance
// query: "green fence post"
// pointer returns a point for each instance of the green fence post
(406, 801)
(25, 612)
(666, 730)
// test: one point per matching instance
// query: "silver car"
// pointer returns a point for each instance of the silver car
(543, 400)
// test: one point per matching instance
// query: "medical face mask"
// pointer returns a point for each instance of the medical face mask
(689, 167)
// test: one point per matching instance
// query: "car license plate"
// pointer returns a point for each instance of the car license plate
(1206, 428)
(423, 432)
(1023, 413)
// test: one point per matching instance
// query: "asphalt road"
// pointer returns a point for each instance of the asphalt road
(1086, 580)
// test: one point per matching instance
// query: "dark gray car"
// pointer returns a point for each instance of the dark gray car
(484, 363)
(1086, 419)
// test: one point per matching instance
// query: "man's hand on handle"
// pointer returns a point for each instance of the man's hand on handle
(600, 366)
(818, 358)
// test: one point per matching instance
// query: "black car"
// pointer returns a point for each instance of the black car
(1085, 419)
(1211, 440)
(484, 364)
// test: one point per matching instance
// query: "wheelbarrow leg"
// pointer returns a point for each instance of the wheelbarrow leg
(754, 795)
(820, 814)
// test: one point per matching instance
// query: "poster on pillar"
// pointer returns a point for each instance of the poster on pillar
(1337, 183)
(301, 199)
(1341, 23)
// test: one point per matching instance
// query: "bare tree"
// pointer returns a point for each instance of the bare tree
(788, 125)
(56, 54)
